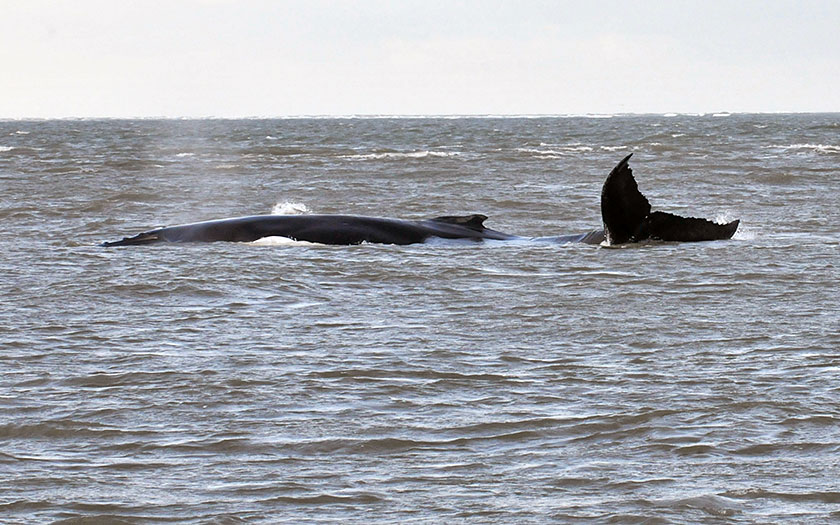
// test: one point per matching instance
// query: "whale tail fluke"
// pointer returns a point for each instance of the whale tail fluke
(669, 227)
(627, 216)
(623, 207)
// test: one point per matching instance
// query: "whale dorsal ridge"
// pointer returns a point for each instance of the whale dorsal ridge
(475, 221)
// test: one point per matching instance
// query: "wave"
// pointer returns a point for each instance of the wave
(661, 147)
(757, 493)
(566, 149)
(825, 127)
(817, 148)
(711, 504)
(289, 150)
(363, 498)
(4, 149)
(556, 151)
(401, 155)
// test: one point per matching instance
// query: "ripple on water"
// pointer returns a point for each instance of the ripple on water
(498, 382)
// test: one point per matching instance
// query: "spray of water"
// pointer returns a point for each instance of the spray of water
(290, 208)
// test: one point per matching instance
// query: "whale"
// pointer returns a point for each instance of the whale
(627, 216)
(625, 212)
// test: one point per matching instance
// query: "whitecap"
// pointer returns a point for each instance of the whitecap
(401, 155)
(819, 148)
(556, 150)
(6, 148)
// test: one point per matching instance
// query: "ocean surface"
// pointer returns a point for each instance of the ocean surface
(447, 382)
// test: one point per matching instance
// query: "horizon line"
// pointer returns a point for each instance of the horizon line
(361, 116)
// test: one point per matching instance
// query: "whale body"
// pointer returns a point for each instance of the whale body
(625, 212)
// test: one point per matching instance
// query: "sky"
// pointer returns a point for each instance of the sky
(272, 58)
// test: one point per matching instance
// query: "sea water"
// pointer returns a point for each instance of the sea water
(434, 383)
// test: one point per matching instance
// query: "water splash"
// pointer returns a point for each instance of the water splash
(290, 208)
(280, 241)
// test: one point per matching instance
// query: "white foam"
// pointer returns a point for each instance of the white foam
(185, 154)
(613, 148)
(724, 218)
(6, 148)
(819, 148)
(401, 155)
(556, 150)
(743, 233)
(290, 208)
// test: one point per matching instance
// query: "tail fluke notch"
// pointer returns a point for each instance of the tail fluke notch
(627, 216)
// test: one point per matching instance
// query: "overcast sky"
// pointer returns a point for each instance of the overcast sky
(196, 58)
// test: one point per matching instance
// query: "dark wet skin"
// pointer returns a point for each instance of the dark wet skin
(625, 212)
